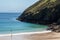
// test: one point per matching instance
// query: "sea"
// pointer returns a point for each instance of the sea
(9, 24)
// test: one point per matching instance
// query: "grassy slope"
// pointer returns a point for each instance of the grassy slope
(38, 5)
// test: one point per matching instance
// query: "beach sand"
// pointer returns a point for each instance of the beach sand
(32, 36)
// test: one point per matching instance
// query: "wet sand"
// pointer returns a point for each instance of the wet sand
(35, 36)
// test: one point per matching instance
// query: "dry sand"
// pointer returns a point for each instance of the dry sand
(35, 36)
(46, 36)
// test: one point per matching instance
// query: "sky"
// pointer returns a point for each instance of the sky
(15, 5)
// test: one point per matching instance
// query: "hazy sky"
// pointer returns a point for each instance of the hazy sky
(15, 5)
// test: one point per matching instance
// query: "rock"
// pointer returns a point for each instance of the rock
(43, 12)
(54, 27)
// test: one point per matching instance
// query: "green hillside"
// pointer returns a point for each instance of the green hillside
(42, 12)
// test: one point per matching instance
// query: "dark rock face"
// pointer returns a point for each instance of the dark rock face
(43, 12)
(45, 15)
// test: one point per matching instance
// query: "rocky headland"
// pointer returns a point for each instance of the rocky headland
(46, 12)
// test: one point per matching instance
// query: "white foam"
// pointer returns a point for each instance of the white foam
(24, 33)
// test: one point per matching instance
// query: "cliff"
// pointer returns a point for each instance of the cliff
(42, 12)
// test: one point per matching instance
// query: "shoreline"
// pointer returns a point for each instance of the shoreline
(24, 33)
(43, 35)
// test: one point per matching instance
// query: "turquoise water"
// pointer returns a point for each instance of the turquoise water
(8, 24)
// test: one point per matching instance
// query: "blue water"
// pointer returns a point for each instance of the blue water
(8, 24)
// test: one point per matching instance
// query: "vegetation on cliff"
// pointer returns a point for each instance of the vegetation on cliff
(42, 12)
(45, 12)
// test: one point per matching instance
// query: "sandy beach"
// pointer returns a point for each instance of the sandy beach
(45, 35)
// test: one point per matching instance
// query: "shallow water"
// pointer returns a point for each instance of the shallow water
(9, 24)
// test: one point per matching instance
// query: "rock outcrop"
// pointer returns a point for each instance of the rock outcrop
(54, 27)
(42, 12)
